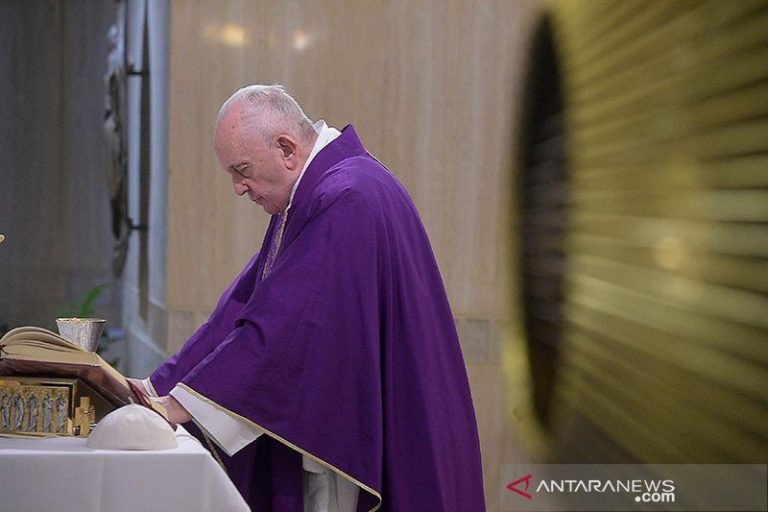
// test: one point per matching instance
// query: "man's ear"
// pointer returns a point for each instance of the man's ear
(287, 147)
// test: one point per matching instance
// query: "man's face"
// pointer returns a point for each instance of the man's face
(256, 168)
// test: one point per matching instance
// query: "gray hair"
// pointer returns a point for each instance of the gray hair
(268, 110)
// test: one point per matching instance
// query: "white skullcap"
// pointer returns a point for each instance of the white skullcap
(132, 427)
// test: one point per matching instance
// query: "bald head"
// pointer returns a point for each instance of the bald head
(265, 111)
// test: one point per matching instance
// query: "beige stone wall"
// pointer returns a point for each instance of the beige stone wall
(430, 87)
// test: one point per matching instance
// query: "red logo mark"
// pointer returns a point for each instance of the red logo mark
(527, 479)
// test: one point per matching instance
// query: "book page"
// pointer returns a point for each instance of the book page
(29, 333)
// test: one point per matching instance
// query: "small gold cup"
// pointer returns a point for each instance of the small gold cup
(83, 332)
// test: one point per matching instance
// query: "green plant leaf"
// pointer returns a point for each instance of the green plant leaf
(87, 306)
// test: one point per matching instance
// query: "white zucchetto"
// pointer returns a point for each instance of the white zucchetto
(132, 427)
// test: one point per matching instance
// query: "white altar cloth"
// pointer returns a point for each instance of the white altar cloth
(62, 474)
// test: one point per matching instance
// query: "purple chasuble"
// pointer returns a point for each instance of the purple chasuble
(345, 351)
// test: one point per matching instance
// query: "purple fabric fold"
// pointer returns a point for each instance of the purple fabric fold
(346, 350)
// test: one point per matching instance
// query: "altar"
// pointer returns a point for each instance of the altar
(62, 473)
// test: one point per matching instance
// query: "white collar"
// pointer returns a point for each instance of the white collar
(325, 135)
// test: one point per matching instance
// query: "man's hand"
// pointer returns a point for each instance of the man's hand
(176, 413)
(137, 382)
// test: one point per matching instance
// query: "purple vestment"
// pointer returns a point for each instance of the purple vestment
(346, 351)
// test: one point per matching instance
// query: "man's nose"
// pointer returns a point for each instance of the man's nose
(240, 188)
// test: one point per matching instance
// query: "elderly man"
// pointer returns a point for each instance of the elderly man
(330, 373)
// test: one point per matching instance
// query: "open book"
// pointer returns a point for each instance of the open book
(37, 351)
